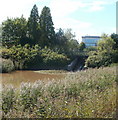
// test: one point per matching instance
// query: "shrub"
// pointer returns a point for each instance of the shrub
(105, 53)
(100, 59)
(20, 55)
(4, 53)
(6, 65)
(53, 58)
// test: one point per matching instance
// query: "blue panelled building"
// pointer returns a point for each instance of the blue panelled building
(90, 40)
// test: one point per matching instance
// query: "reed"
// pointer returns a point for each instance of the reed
(86, 94)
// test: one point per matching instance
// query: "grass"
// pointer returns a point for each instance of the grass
(52, 71)
(86, 94)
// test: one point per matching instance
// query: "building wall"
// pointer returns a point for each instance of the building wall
(90, 40)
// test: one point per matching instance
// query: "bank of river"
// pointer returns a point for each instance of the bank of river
(17, 77)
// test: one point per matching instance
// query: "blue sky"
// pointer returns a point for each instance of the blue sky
(84, 17)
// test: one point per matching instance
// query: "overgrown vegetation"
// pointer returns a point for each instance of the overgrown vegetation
(53, 58)
(85, 94)
(106, 52)
(20, 55)
(35, 42)
(25, 56)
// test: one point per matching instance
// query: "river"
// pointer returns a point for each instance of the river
(17, 77)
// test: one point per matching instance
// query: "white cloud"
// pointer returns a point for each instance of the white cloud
(70, 22)
(59, 8)
(61, 11)
(113, 29)
(15, 8)
(96, 6)
(77, 26)
(65, 7)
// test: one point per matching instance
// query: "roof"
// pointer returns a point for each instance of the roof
(91, 37)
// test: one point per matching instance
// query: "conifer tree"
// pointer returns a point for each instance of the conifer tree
(47, 29)
(34, 26)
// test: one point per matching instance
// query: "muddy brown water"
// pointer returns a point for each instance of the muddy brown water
(17, 77)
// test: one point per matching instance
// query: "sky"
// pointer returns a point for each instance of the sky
(84, 17)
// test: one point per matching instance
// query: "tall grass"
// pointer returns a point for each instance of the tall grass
(85, 94)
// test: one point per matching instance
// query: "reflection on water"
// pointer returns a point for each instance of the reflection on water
(17, 77)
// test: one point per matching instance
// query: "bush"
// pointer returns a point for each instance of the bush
(4, 53)
(6, 65)
(100, 59)
(104, 55)
(20, 55)
(26, 56)
(53, 58)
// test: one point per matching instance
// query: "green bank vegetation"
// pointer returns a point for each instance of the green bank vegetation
(34, 44)
(105, 53)
(85, 94)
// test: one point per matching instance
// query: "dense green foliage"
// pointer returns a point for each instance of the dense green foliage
(82, 46)
(14, 31)
(53, 58)
(115, 38)
(47, 29)
(105, 54)
(34, 26)
(87, 94)
(34, 41)
(20, 55)
(24, 56)
(35, 30)
(38, 30)
(0, 31)
(98, 60)
(66, 42)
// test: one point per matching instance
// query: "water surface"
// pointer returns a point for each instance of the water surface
(17, 77)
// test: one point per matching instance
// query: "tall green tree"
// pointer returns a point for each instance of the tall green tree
(115, 38)
(0, 30)
(106, 44)
(13, 31)
(34, 26)
(61, 41)
(82, 46)
(0, 35)
(47, 28)
(72, 44)
(105, 54)
(61, 38)
(68, 34)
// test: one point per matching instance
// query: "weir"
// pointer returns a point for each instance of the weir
(77, 64)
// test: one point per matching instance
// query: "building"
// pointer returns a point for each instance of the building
(90, 40)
